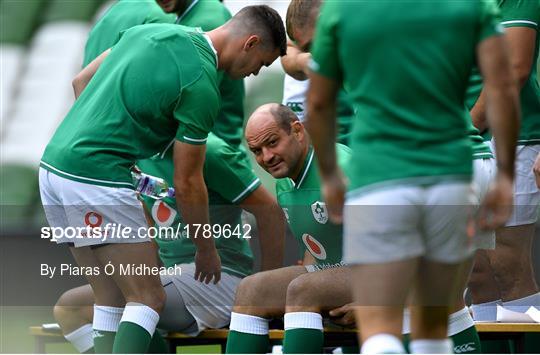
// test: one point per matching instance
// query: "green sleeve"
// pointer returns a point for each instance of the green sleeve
(489, 20)
(226, 172)
(325, 51)
(197, 109)
(520, 13)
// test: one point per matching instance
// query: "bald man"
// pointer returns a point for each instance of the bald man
(282, 147)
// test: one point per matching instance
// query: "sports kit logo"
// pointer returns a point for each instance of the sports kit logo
(93, 219)
(464, 348)
(320, 213)
(163, 214)
(315, 248)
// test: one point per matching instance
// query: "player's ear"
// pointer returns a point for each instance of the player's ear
(297, 129)
(251, 42)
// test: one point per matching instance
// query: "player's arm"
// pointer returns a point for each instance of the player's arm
(521, 45)
(192, 200)
(83, 78)
(321, 124)
(270, 226)
(295, 63)
(502, 109)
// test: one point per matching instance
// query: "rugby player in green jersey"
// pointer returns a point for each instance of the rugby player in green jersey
(156, 88)
(282, 147)
(505, 276)
(207, 15)
(406, 217)
(192, 306)
(300, 22)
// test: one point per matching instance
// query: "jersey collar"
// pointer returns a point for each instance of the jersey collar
(207, 37)
(179, 18)
(305, 169)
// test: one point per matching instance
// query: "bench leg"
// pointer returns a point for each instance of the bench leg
(39, 345)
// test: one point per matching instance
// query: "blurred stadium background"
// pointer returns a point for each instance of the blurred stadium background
(41, 48)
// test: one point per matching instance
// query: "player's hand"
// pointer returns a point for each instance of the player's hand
(498, 203)
(536, 170)
(333, 190)
(207, 266)
(343, 315)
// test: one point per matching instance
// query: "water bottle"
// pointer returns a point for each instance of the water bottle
(151, 186)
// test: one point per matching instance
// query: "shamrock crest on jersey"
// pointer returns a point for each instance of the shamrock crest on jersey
(320, 213)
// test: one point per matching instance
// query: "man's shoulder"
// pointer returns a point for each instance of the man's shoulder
(208, 14)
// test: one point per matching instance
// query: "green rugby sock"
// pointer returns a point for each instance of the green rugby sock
(158, 345)
(103, 341)
(244, 343)
(467, 342)
(303, 341)
(303, 333)
(136, 329)
(248, 334)
(105, 324)
(463, 333)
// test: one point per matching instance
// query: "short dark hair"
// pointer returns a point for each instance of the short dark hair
(284, 117)
(301, 13)
(266, 20)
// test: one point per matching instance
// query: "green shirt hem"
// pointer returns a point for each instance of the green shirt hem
(413, 181)
(83, 179)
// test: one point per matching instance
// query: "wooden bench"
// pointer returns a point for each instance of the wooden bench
(332, 336)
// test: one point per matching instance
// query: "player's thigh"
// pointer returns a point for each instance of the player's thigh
(267, 289)
(175, 315)
(447, 210)
(104, 289)
(325, 289)
(209, 304)
(382, 226)
(526, 193)
(132, 265)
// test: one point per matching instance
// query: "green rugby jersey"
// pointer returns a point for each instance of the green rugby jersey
(210, 14)
(306, 212)
(407, 83)
(229, 180)
(519, 13)
(157, 84)
(121, 16)
(205, 14)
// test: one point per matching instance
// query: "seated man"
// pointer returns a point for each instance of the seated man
(191, 305)
(282, 147)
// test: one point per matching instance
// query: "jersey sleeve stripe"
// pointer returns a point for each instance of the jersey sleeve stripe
(198, 140)
(518, 22)
(247, 189)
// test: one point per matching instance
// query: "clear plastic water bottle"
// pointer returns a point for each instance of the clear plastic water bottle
(151, 186)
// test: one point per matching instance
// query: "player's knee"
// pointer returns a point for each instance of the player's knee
(153, 297)
(302, 292)
(249, 287)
